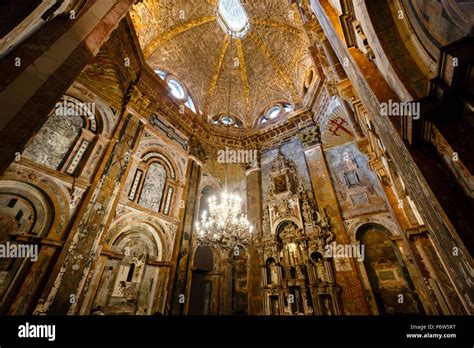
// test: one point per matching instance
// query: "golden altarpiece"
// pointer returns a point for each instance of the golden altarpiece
(297, 277)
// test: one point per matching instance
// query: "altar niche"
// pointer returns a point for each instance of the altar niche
(297, 279)
(296, 282)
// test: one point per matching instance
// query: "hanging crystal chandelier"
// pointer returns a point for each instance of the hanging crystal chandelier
(225, 224)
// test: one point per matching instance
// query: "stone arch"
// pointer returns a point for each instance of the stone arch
(384, 272)
(27, 210)
(155, 180)
(203, 284)
(391, 57)
(352, 226)
(55, 139)
(129, 278)
(174, 157)
(160, 233)
(147, 234)
(209, 186)
(158, 156)
(210, 182)
(280, 222)
(57, 196)
(104, 116)
(28, 204)
(66, 139)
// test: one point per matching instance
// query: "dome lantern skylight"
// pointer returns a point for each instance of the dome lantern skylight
(232, 17)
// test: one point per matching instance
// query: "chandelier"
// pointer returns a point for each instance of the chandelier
(225, 224)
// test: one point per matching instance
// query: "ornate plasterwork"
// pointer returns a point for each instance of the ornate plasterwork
(54, 189)
(265, 66)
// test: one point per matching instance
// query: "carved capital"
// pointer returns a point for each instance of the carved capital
(138, 102)
(310, 136)
(196, 149)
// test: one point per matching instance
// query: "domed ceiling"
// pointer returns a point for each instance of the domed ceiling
(262, 59)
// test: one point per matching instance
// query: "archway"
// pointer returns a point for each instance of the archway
(24, 209)
(201, 282)
(387, 274)
(130, 280)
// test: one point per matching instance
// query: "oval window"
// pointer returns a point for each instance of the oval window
(227, 120)
(273, 112)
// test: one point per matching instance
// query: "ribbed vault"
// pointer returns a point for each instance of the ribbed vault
(265, 66)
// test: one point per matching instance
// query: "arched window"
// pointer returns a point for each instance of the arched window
(153, 187)
(178, 90)
(275, 111)
(153, 183)
(227, 121)
(66, 136)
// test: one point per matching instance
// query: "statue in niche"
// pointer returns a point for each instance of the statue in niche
(329, 237)
(325, 221)
(266, 221)
(307, 212)
(321, 270)
(308, 309)
(320, 243)
(299, 272)
(283, 208)
(274, 273)
(327, 305)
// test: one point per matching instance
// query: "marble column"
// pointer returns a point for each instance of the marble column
(75, 264)
(36, 84)
(254, 214)
(347, 277)
(226, 290)
(178, 289)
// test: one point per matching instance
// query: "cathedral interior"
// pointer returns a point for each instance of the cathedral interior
(236, 157)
